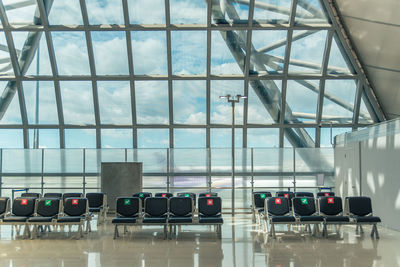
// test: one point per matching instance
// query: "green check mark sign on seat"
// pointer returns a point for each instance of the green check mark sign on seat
(304, 201)
(47, 202)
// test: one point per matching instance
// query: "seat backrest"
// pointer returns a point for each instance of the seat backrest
(23, 206)
(74, 195)
(259, 198)
(330, 205)
(167, 195)
(304, 194)
(96, 200)
(142, 195)
(359, 206)
(277, 206)
(210, 206)
(211, 194)
(156, 206)
(181, 206)
(129, 206)
(289, 195)
(325, 194)
(4, 205)
(186, 194)
(75, 206)
(48, 207)
(303, 206)
(34, 195)
(53, 195)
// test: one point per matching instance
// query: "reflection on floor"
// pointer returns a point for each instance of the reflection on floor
(241, 245)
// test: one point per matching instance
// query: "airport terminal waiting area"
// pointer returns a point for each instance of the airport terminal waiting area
(300, 213)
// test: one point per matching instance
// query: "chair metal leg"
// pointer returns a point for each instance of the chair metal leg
(165, 232)
(374, 231)
(116, 234)
(273, 231)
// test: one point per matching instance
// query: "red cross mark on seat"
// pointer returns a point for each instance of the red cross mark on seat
(331, 200)
(208, 195)
(164, 195)
(75, 202)
(278, 201)
(286, 195)
(326, 194)
(210, 202)
(24, 201)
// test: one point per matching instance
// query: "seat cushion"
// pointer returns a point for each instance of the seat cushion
(154, 219)
(282, 219)
(94, 209)
(179, 219)
(368, 219)
(70, 219)
(212, 219)
(40, 219)
(337, 219)
(15, 219)
(124, 220)
(311, 218)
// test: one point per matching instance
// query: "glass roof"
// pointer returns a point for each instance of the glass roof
(149, 73)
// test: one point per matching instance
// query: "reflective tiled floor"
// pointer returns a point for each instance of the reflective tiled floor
(241, 245)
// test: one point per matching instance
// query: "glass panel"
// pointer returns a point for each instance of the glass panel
(80, 138)
(77, 99)
(25, 182)
(222, 60)
(272, 11)
(115, 102)
(337, 60)
(20, 15)
(184, 181)
(189, 102)
(221, 111)
(257, 112)
(273, 160)
(5, 64)
(262, 137)
(152, 102)
(63, 161)
(48, 138)
(19, 39)
(44, 67)
(153, 138)
(223, 137)
(301, 99)
(154, 181)
(105, 12)
(146, 11)
(110, 53)
(71, 53)
(189, 160)
(339, 100)
(21, 161)
(64, 181)
(238, 13)
(11, 138)
(314, 160)
(47, 107)
(307, 133)
(65, 13)
(13, 112)
(149, 52)
(94, 158)
(326, 135)
(310, 11)
(189, 51)
(116, 138)
(269, 52)
(154, 160)
(185, 138)
(242, 160)
(188, 12)
(221, 160)
(307, 52)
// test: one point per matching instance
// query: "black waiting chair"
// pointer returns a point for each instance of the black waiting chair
(53, 195)
(73, 195)
(46, 214)
(325, 194)
(22, 209)
(167, 195)
(128, 212)
(305, 212)
(98, 205)
(360, 211)
(277, 212)
(188, 194)
(304, 194)
(208, 194)
(288, 194)
(331, 208)
(75, 212)
(258, 205)
(156, 212)
(31, 194)
(180, 212)
(210, 212)
(142, 196)
(4, 206)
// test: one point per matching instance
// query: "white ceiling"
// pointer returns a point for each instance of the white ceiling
(374, 28)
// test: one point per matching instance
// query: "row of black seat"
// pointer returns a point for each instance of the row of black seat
(144, 195)
(172, 212)
(45, 212)
(324, 210)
